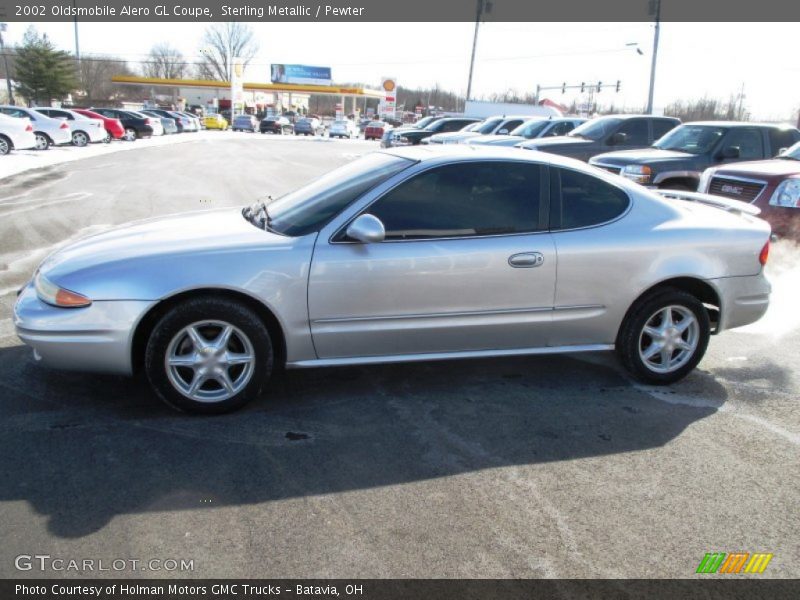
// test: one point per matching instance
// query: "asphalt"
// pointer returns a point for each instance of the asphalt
(521, 467)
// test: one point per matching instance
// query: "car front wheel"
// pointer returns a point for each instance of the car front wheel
(664, 336)
(208, 356)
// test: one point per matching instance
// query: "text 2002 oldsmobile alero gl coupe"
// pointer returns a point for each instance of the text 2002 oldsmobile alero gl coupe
(415, 254)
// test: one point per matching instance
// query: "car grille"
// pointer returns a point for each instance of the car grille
(747, 191)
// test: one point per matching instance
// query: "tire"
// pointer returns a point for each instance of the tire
(676, 351)
(129, 135)
(80, 139)
(108, 138)
(208, 317)
(5, 145)
(42, 141)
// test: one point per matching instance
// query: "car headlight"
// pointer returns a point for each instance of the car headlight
(705, 178)
(787, 194)
(637, 173)
(50, 293)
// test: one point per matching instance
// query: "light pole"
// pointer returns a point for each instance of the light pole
(483, 6)
(3, 28)
(655, 10)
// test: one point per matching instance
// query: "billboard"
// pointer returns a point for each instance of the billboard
(301, 74)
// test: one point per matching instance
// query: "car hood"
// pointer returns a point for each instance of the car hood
(563, 140)
(769, 168)
(636, 157)
(149, 241)
(498, 140)
(453, 136)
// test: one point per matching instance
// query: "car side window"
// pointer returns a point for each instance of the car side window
(511, 125)
(561, 128)
(781, 138)
(635, 131)
(748, 140)
(466, 199)
(452, 126)
(586, 200)
(661, 127)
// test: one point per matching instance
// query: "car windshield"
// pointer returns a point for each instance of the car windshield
(530, 129)
(307, 209)
(792, 153)
(487, 126)
(425, 121)
(595, 129)
(692, 139)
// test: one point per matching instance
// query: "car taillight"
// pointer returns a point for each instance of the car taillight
(29, 127)
(764, 255)
(63, 125)
(148, 122)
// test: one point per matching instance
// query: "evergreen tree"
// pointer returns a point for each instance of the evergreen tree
(43, 73)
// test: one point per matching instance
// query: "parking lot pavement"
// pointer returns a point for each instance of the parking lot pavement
(520, 467)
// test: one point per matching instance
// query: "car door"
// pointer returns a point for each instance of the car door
(748, 140)
(466, 265)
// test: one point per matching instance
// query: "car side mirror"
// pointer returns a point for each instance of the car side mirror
(366, 229)
(730, 152)
(503, 132)
(617, 139)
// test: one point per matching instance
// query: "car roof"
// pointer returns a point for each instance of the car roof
(458, 152)
(740, 124)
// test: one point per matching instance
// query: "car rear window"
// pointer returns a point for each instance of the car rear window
(585, 200)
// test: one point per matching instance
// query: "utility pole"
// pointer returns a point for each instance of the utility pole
(3, 28)
(483, 6)
(655, 10)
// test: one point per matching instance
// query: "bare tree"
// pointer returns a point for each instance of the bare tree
(221, 43)
(95, 76)
(164, 62)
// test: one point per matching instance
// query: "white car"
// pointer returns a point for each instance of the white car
(15, 134)
(84, 129)
(344, 129)
(48, 132)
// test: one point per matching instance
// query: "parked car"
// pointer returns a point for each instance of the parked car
(614, 132)
(678, 159)
(136, 126)
(181, 121)
(245, 123)
(15, 134)
(491, 126)
(48, 131)
(344, 128)
(363, 124)
(84, 130)
(279, 125)
(307, 126)
(113, 126)
(531, 129)
(153, 121)
(195, 123)
(168, 124)
(375, 130)
(412, 136)
(207, 303)
(215, 121)
(771, 185)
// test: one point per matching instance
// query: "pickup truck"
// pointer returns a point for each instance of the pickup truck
(678, 159)
(612, 132)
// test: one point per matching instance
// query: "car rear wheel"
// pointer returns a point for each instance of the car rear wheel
(80, 139)
(664, 336)
(208, 356)
(129, 135)
(5, 145)
(108, 138)
(42, 141)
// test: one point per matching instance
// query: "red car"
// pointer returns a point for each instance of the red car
(114, 128)
(772, 185)
(375, 130)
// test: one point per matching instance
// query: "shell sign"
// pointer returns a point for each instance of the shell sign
(389, 85)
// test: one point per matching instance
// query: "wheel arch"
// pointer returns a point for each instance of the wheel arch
(697, 287)
(148, 322)
(8, 141)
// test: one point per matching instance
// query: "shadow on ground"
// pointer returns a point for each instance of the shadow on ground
(82, 449)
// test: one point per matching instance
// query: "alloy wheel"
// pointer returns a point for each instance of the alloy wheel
(79, 139)
(42, 143)
(669, 339)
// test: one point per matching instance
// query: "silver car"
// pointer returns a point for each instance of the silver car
(403, 255)
(48, 131)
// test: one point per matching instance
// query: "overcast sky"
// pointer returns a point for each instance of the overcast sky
(695, 59)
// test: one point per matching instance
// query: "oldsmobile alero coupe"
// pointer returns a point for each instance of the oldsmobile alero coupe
(404, 255)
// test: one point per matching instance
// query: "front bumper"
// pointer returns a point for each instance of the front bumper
(744, 300)
(97, 338)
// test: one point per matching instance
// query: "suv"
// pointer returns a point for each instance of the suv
(613, 132)
(413, 136)
(677, 160)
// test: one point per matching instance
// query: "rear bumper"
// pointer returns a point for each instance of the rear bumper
(96, 338)
(743, 300)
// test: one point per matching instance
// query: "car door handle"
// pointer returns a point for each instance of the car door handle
(526, 260)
